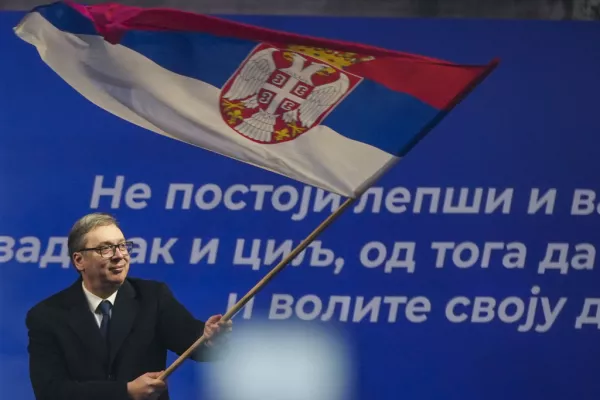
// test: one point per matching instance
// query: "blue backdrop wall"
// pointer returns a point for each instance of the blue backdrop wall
(502, 299)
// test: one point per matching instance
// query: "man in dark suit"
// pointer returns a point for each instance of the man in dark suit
(106, 336)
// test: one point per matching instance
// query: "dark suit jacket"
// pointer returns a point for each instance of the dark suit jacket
(68, 358)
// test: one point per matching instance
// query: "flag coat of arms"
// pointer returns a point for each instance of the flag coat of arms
(330, 114)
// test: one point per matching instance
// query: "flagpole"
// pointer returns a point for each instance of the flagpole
(329, 220)
(262, 283)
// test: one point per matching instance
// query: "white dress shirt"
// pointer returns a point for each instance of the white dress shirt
(94, 301)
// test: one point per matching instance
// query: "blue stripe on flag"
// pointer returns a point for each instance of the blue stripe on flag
(196, 55)
(381, 117)
(371, 114)
(66, 19)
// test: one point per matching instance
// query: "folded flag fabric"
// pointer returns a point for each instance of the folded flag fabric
(330, 114)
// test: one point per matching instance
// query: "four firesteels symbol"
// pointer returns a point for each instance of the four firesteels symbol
(276, 95)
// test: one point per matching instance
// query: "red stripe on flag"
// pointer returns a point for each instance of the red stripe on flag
(433, 81)
(434, 84)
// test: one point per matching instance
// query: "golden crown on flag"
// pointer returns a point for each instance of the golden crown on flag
(339, 59)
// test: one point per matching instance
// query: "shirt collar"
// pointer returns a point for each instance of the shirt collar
(94, 301)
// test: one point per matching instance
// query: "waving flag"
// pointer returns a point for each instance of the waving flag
(331, 114)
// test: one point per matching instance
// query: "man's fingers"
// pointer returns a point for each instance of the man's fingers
(214, 326)
(214, 319)
(158, 384)
(227, 326)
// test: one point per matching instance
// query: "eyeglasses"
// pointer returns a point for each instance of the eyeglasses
(109, 250)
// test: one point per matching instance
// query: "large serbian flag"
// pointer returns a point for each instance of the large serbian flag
(330, 114)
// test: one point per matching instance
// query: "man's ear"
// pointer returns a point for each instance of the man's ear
(78, 261)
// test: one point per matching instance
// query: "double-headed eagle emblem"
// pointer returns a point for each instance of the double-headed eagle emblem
(270, 103)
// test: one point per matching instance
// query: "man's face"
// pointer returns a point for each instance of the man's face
(101, 271)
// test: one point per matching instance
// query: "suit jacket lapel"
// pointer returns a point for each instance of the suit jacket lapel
(123, 317)
(83, 322)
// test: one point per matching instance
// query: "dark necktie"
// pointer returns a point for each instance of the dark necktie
(104, 309)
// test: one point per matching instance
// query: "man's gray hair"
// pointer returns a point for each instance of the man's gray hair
(84, 225)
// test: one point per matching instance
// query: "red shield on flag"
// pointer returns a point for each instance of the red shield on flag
(278, 94)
